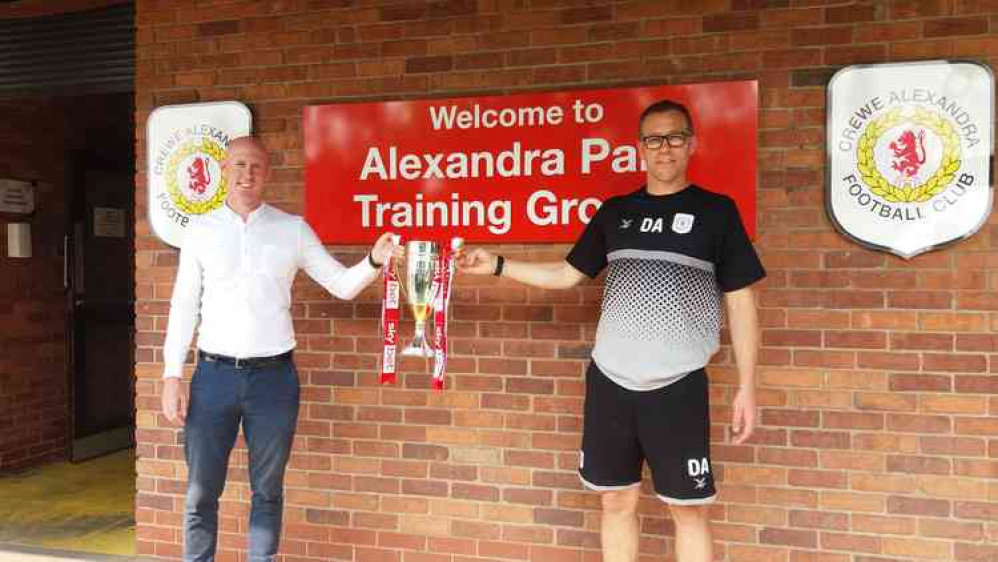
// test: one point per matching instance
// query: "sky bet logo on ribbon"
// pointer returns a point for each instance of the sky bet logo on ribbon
(909, 152)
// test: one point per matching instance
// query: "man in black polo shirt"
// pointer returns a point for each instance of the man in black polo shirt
(673, 250)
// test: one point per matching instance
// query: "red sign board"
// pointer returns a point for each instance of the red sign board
(525, 168)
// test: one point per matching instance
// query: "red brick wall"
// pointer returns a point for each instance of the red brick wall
(877, 386)
(34, 403)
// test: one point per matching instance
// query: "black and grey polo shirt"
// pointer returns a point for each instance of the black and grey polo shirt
(670, 258)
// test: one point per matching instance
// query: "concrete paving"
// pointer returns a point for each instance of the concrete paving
(20, 553)
(70, 508)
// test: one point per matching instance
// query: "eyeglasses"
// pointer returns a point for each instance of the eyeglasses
(674, 140)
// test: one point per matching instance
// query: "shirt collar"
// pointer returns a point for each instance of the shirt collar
(643, 192)
(255, 215)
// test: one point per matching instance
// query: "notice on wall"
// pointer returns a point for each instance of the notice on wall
(109, 222)
(17, 196)
(529, 168)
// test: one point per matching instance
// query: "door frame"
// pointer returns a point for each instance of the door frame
(79, 163)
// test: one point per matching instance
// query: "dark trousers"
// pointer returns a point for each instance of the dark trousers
(264, 400)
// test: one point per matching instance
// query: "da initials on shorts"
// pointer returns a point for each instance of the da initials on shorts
(697, 467)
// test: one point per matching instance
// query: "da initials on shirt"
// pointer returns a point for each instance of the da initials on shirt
(649, 224)
(681, 224)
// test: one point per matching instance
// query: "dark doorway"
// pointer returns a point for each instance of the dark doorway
(67, 81)
(100, 283)
(67, 103)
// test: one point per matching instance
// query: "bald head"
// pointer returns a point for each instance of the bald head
(247, 143)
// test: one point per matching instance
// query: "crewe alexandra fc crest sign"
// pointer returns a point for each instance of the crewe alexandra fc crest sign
(909, 153)
(186, 146)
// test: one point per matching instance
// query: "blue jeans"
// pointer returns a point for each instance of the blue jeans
(265, 400)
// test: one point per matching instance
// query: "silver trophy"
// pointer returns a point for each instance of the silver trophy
(421, 258)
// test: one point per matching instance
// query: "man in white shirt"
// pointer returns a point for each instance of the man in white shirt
(236, 268)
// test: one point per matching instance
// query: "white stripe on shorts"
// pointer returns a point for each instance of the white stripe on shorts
(599, 488)
(677, 501)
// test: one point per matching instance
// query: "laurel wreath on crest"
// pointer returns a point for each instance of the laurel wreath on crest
(184, 204)
(908, 193)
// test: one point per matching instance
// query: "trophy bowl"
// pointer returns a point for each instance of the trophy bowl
(421, 261)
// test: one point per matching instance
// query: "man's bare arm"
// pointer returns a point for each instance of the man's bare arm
(744, 325)
(545, 275)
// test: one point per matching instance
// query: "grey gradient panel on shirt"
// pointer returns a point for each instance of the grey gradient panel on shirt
(659, 309)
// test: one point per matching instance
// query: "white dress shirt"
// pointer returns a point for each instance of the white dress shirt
(238, 276)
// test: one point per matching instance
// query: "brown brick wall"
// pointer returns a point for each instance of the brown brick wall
(877, 382)
(34, 403)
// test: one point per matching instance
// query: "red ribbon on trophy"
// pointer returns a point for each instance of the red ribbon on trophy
(429, 273)
(441, 302)
(390, 319)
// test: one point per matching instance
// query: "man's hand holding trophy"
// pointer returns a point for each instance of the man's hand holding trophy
(425, 281)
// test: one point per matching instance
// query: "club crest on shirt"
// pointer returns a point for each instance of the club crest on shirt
(682, 223)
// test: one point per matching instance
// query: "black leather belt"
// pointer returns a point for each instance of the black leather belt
(246, 362)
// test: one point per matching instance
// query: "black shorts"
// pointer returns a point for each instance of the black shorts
(669, 427)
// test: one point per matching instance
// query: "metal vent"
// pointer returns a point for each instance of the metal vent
(69, 54)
